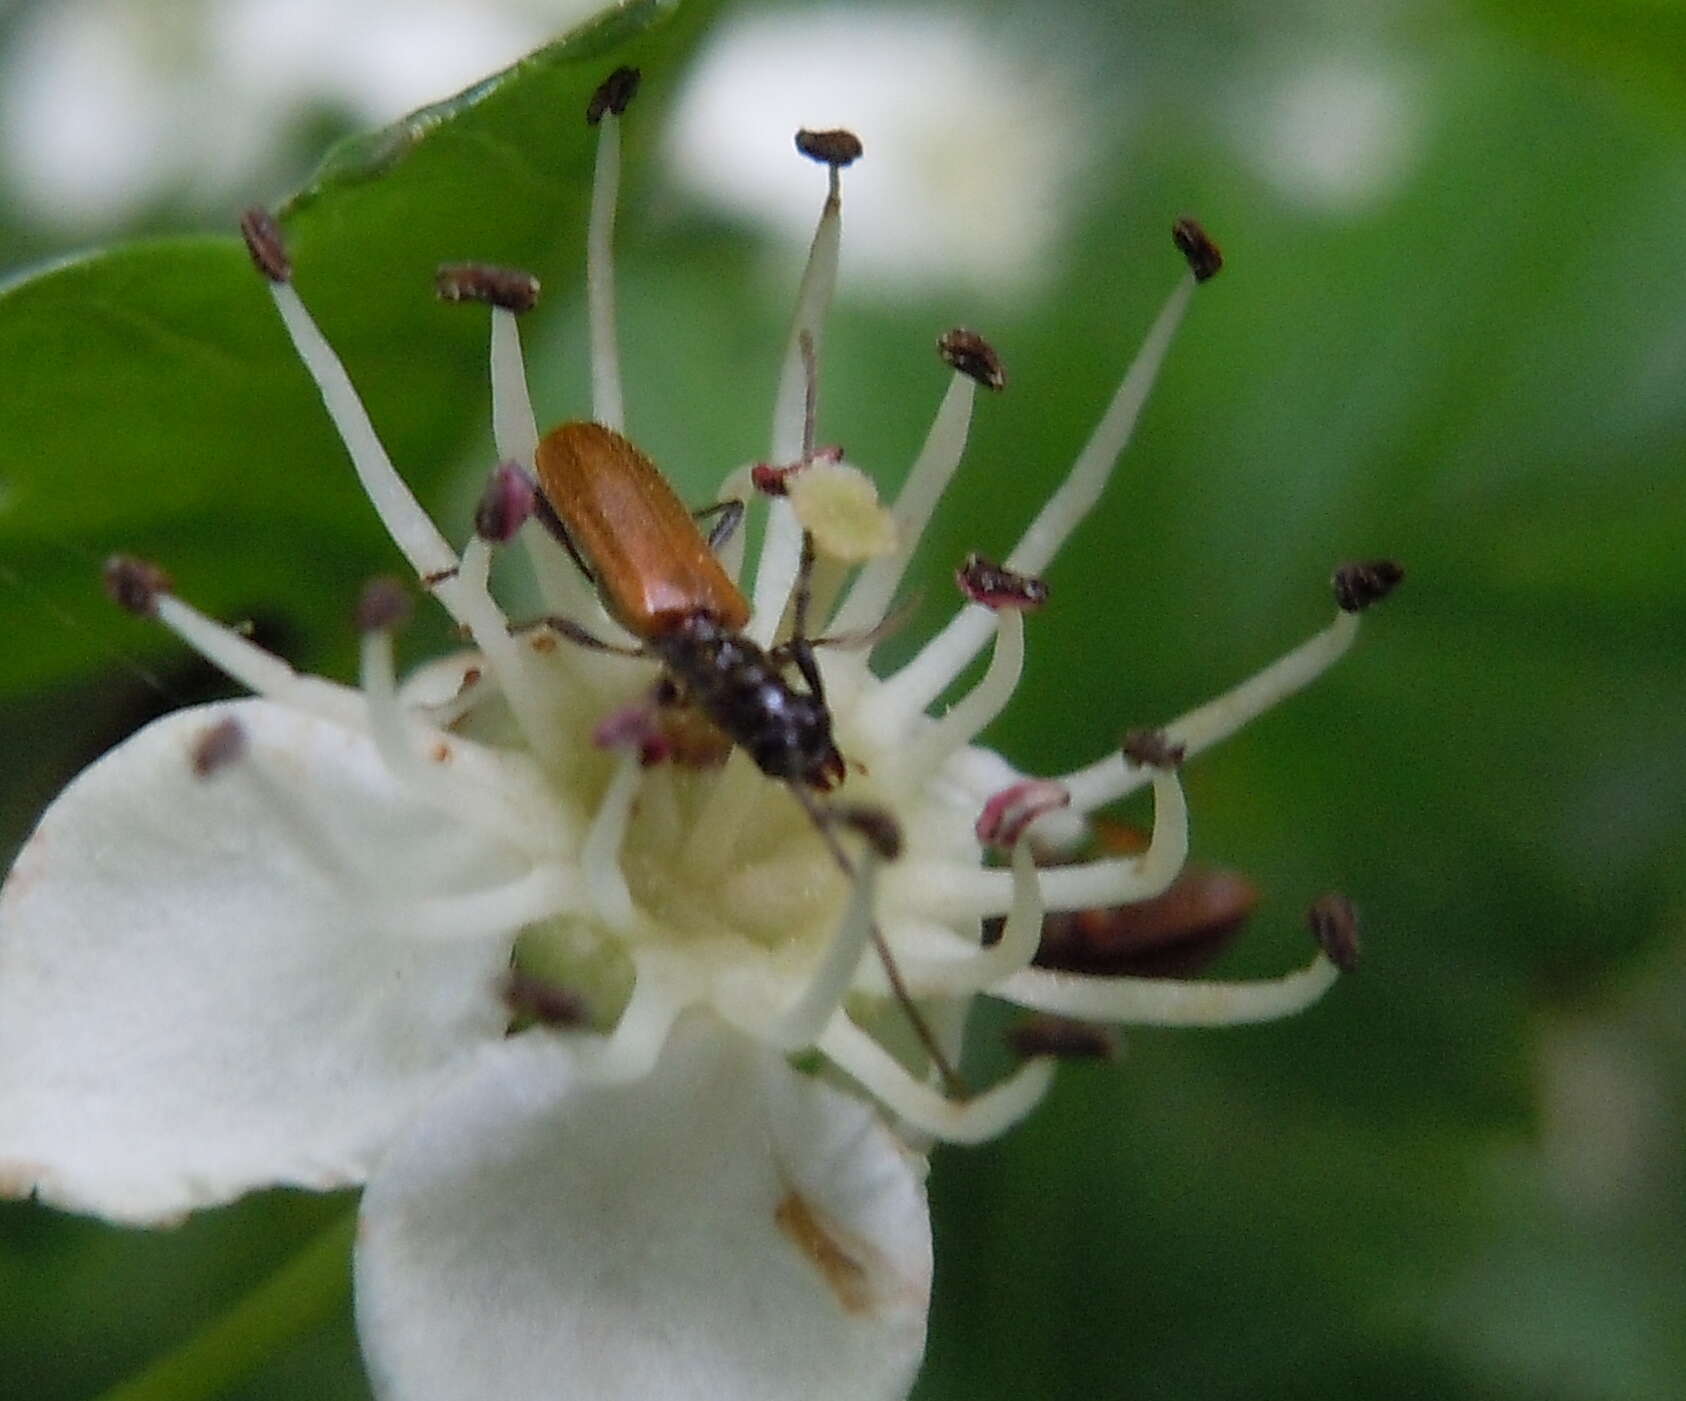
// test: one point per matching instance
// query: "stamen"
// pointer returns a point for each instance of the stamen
(1001, 590)
(951, 892)
(415, 535)
(509, 662)
(506, 504)
(982, 970)
(1358, 586)
(600, 857)
(260, 672)
(507, 288)
(870, 597)
(609, 101)
(922, 680)
(541, 893)
(971, 1121)
(1114, 777)
(134, 585)
(781, 547)
(800, 1024)
(1007, 815)
(1165, 1001)
(265, 244)
(968, 717)
(1195, 244)
(974, 357)
(631, 1050)
(515, 428)
(392, 731)
(724, 818)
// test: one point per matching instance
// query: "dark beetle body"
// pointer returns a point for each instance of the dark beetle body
(741, 689)
(658, 577)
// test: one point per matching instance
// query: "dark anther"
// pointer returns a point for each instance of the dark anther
(134, 584)
(983, 581)
(970, 354)
(1195, 244)
(614, 94)
(218, 746)
(506, 504)
(509, 288)
(384, 604)
(1152, 749)
(1061, 1038)
(770, 480)
(877, 825)
(533, 999)
(834, 148)
(1360, 584)
(263, 242)
(1007, 814)
(1334, 924)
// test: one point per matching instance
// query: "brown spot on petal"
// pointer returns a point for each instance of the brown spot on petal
(443, 753)
(218, 746)
(838, 1259)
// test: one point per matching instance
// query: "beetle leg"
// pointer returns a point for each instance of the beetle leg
(570, 630)
(546, 515)
(730, 513)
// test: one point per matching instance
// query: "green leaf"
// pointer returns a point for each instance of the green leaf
(153, 403)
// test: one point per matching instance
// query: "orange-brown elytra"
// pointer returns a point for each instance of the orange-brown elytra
(658, 577)
(651, 564)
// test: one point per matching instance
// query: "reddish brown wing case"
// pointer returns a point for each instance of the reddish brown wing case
(652, 563)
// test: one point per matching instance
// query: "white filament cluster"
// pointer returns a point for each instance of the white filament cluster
(658, 889)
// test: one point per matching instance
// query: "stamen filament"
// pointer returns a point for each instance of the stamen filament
(392, 729)
(600, 856)
(923, 679)
(981, 970)
(515, 429)
(1168, 1001)
(926, 481)
(607, 405)
(981, 704)
(631, 1050)
(542, 893)
(800, 1024)
(1115, 776)
(950, 892)
(409, 526)
(969, 1121)
(723, 818)
(509, 661)
(781, 547)
(258, 671)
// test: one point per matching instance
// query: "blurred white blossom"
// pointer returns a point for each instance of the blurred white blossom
(108, 105)
(974, 140)
(1339, 133)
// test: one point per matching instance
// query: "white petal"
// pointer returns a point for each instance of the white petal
(201, 986)
(723, 1228)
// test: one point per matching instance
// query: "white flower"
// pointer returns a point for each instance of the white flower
(107, 106)
(980, 142)
(271, 941)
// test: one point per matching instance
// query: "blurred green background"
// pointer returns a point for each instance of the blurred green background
(1452, 329)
